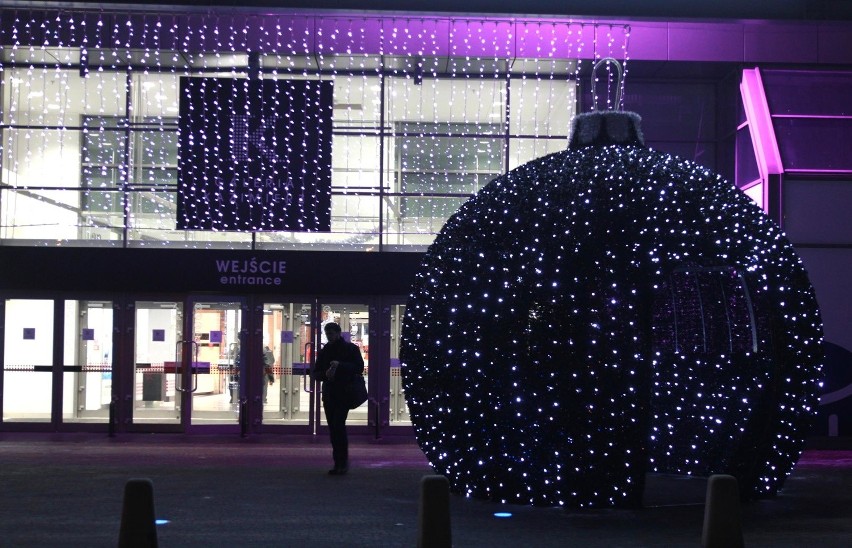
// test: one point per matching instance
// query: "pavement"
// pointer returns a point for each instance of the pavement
(68, 491)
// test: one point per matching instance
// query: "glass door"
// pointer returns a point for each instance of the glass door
(292, 333)
(28, 358)
(158, 327)
(354, 321)
(213, 360)
(188, 369)
(287, 350)
(87, 361)
(398, 408)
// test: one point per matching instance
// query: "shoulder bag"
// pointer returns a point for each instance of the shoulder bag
(356, 391)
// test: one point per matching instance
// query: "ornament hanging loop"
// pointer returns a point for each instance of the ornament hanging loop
(619, 77)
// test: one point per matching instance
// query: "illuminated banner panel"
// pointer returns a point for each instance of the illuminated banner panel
(255, 155)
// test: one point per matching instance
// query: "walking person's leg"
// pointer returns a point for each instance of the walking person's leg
(335, 416)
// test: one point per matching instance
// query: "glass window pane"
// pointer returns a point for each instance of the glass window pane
(357, 102)
(478, 105)
(355, 162)
(818, 144)
(41, 157)
(816, 211)
(102, 205)
(55, 97)
(522, 151)
(815, 93)
(39, 214)
(156, 177)
(155, 147)
(755, 192)
(87, 391)
(354, 321)
(542, 107)
(156, 94)
(28, 360)
(399, 413)
(746, 163)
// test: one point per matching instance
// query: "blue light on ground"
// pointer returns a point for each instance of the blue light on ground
(162, 521)
(502, 514)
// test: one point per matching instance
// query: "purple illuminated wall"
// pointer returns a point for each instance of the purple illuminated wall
(404, 34)
(812, 116)
(677, 117)
(811, 120)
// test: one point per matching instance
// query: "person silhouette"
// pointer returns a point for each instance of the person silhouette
(338, 362)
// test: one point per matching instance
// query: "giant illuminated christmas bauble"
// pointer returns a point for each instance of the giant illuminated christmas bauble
(605, 312)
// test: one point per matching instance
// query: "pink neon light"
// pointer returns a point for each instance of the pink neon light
(760, 124)
(812, 171)
(813, 116)
(751, 184)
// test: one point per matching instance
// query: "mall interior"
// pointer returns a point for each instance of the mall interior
(132, 306)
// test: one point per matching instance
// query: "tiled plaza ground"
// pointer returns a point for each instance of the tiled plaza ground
(231, 492)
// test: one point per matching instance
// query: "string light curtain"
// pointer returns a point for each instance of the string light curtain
(426, 110)
(256, 155)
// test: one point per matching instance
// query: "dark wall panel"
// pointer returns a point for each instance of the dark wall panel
(204, 270)
(817, 211)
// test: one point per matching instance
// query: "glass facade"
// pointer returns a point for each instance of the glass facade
(427, 109)
(421, 120)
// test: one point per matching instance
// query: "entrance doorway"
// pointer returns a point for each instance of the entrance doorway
(57, 361)
(188, 368)
(293, 332)
(191, 363)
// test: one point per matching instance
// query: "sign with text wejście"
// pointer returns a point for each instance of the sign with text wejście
(255, 155)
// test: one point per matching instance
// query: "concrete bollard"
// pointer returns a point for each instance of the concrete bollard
(138, 523)
(433, 522)
(722, 522)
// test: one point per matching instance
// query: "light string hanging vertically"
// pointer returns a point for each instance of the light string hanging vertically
(130, 64)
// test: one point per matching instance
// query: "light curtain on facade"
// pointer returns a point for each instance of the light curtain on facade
(426, 111)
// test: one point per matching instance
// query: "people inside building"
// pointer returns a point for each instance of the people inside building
(268, 374)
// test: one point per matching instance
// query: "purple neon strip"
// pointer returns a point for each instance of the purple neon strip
(814, 116)
(762, 133)
(818, 171)
(760, 124)
(751, 184)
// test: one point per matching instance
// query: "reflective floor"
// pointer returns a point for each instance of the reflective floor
(274, 491)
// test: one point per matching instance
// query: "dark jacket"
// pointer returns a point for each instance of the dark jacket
(351, 364)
